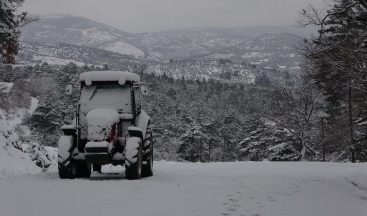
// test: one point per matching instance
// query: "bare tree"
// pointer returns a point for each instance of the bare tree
(296, 112)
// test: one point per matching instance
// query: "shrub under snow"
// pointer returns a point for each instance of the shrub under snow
(271, 142)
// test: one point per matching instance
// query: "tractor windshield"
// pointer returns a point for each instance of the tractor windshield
(106, 95)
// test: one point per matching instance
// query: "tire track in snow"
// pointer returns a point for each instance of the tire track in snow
(238, 204)
(360, 188)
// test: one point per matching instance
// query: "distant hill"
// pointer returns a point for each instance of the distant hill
(274, 51)
(194, 53)
(183, 43)
(270, 56)
(80, 31)
(157, 46)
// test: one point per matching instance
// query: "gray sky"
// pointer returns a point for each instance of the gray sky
(156, 15)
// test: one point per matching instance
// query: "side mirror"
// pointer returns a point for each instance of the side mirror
(144, 89)
(69, 89)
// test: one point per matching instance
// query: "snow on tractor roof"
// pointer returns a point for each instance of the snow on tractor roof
(120, 76)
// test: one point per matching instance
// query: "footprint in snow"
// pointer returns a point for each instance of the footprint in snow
(232, 209)
(270, 198)
(260, 205)
(232, 203)
(233, 200)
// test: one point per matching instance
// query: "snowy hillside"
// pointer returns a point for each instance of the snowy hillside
(155, 46)
(269, 51)
(204, 70)
(197, 53)
(195, 189)
(80, 31)
(62, 54)
(184, 43)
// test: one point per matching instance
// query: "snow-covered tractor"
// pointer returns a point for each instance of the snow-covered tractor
(110, 127)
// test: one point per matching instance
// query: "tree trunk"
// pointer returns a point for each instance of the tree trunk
(223, 148)
(323, 141)
(209, 151)
(351, 121)
(303, 150)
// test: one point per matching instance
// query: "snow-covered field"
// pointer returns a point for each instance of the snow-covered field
(188, 189)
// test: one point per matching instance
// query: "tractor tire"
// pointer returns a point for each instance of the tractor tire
(83, 169)
(133, 161)
(67, 166)
(147, 167)
(69, 171)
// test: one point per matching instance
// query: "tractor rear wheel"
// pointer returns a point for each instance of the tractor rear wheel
(147, 168)
(69, 171)
(133, 161)
(83, 169)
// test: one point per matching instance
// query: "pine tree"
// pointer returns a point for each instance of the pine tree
(10, 23)
(339, 55)
(194, 145)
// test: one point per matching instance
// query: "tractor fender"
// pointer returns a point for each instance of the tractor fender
(69, 130)
(64, 147)
(142, 121)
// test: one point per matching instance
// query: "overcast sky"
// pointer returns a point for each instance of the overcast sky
(156, 15)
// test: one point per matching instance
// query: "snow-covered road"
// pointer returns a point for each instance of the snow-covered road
(187, 189)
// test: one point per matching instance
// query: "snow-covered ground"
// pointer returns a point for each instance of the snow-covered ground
(185, 189)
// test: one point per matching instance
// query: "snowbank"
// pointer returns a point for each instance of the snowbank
(13, 161)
